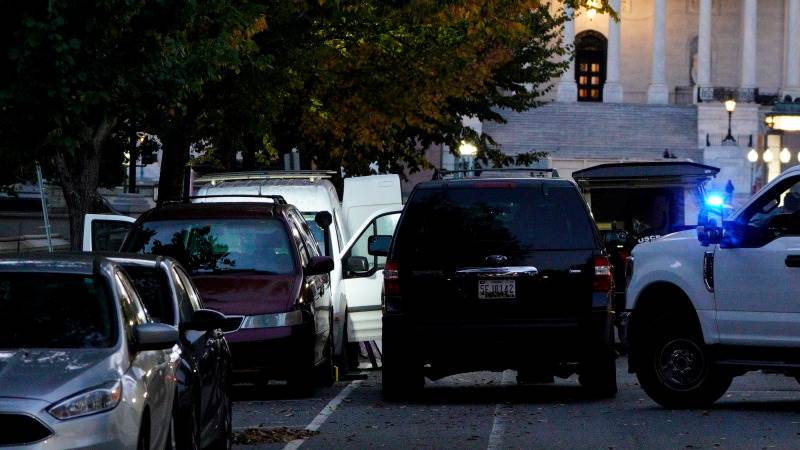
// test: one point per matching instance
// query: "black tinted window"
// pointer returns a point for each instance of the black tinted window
(218, 245)
(153, 288)
(512, 221)
(107, 235)
(47, 310)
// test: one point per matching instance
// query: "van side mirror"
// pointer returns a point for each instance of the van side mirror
(379, 245)
(323, 219)
(357, 264)
(319, 265)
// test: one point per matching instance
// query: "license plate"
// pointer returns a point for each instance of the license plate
(491, 289)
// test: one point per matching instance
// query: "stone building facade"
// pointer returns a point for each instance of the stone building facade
(654, 83)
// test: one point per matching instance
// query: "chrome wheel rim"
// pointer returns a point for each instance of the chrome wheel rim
(680, 364)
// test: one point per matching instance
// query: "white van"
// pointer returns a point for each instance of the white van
(371, 206)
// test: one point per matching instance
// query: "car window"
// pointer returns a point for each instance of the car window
(448, 224)
(52, 310)
(782, 199)
(310, 241)
(152, 285)
(383, 225)
(316, 232)
(107, 235)
(191, 289)
(132, 309)
(185, 309)
(218, 245)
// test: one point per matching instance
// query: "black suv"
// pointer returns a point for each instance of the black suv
(496, 274)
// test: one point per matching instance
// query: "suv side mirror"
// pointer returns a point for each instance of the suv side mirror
(319, 265)
(357, 264)
(379, 245)
(207, 320)
(323, 219)
(154, 336)
(709, 233)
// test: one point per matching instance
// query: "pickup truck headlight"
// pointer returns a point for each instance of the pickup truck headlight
(95, 400)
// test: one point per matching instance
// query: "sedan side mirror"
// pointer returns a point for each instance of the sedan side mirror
(154, 336)
(319, 265)
(208, 319)
(379, 245)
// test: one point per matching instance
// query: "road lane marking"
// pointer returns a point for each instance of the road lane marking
(501, 413)
(326, 412)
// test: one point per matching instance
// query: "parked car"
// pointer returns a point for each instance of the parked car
(368, 202)
(204, 415)
(706, 305)
(82, 363)
(260, 264)
(496, 274)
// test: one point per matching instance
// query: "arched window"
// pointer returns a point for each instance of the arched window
(591, 49)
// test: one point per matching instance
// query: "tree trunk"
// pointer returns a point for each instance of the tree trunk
(133, 152)
(79, 176)
(249, 152)
(175, 159)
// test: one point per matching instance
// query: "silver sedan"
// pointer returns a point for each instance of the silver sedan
(81, 363)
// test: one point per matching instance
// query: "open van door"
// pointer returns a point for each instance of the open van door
(363, 196)
(105, 232)
(362, 276)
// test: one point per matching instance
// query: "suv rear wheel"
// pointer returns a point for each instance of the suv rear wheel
(401, 375)
(677, 372)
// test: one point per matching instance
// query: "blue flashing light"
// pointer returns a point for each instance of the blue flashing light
(715, 201)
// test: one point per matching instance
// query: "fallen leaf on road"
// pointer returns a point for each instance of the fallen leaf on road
(252, 436)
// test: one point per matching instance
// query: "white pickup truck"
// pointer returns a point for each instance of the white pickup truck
(706, 305)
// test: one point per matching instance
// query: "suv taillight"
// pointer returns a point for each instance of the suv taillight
(391, 278)
(603, 278)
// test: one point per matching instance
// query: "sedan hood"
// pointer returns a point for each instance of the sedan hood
(240, 294)
(53, 374)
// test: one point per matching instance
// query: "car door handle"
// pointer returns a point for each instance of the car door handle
(793, 261)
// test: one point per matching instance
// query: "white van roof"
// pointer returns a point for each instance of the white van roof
(307, 195)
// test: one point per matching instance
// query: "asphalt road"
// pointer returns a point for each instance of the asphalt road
(488, 410)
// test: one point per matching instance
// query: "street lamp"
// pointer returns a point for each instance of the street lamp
(730, 106)
(767, 155)
(752, 155)
(785, 155)
(467, 150)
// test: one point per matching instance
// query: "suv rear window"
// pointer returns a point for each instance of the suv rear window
(448, 223)
(218, 245)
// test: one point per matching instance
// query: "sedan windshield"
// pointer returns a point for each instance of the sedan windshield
(218, 245)
(48, 310)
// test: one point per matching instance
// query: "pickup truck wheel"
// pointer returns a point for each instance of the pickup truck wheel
(598, 376)
(677, 372)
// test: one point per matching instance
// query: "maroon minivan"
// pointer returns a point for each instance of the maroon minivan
(257, 262)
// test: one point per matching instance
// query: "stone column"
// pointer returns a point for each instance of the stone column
(658, 93)
(749, 39)
(567, 88)
(791, 78)
(612, 90)
(706, 92)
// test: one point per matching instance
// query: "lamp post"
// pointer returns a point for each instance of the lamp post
(752, 156)
(730, 106)
(467, 150)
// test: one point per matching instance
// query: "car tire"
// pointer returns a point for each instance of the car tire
(598, 376)
(327, 370)
(143, 441)
(187, 429)
(677, 372)
(225, 440)
(350, 350)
